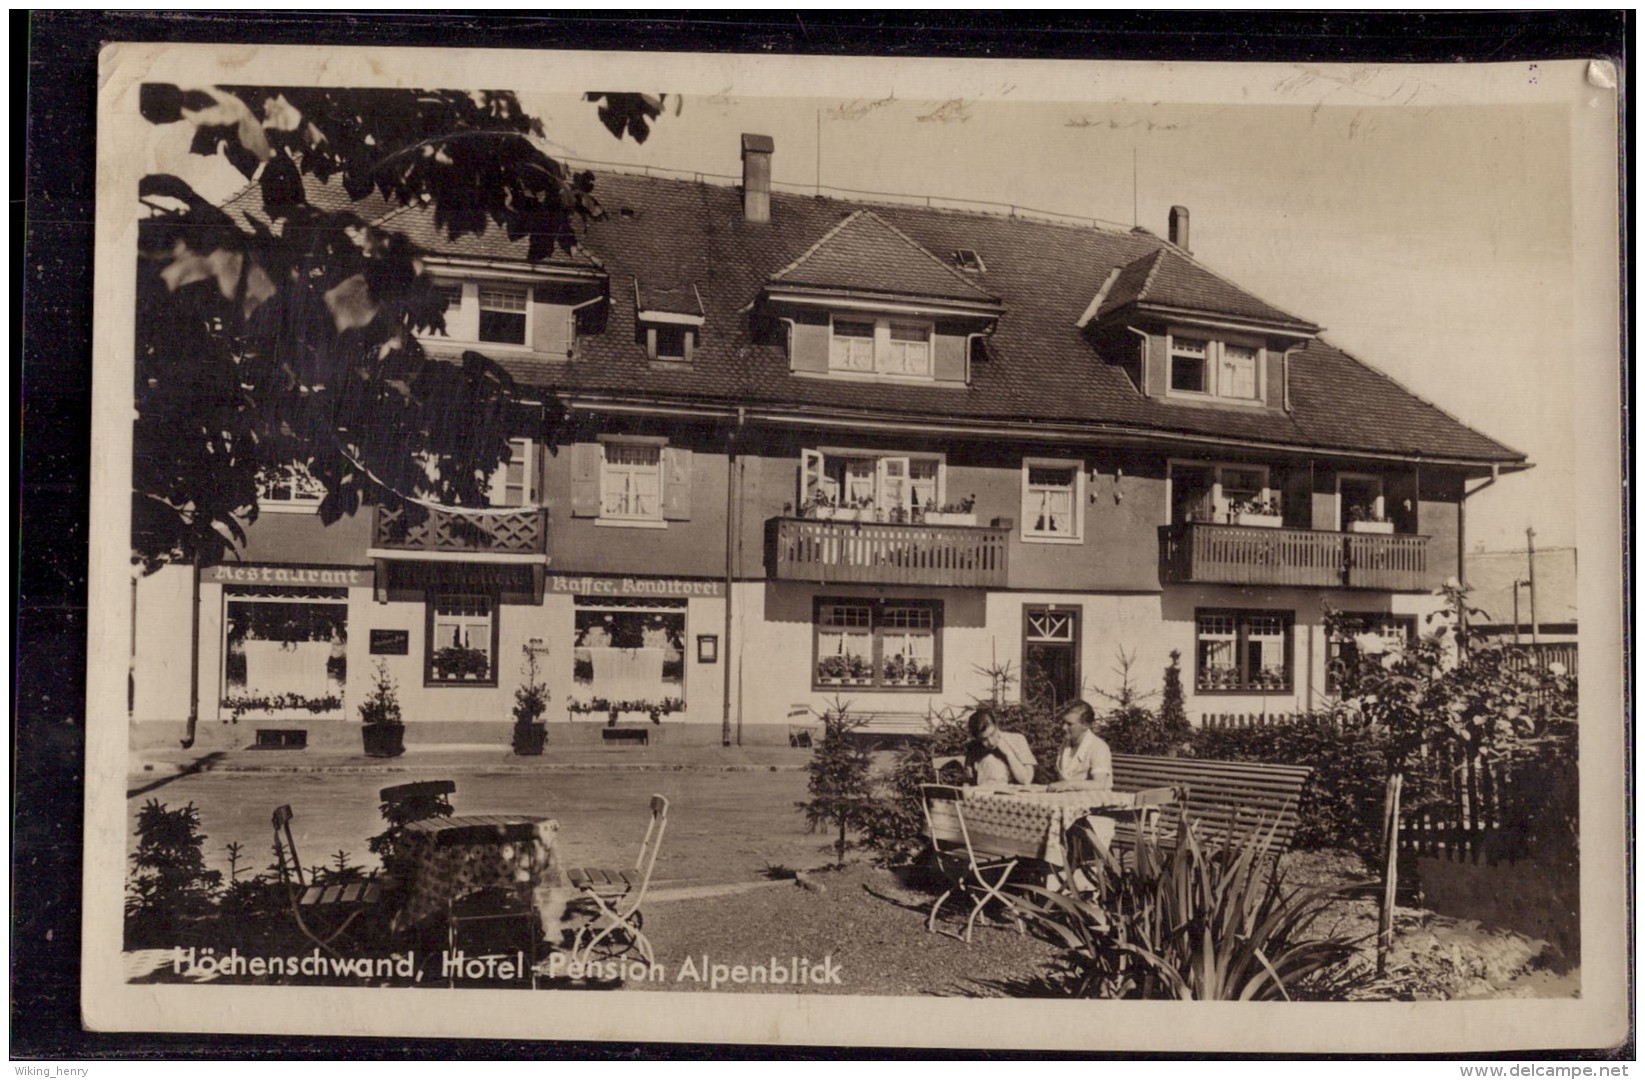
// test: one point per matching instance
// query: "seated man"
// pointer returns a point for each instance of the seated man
(994, 756)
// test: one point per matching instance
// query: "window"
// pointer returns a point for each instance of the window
(893, 488)
(883, 346)
(1052, 500)
(631, 482)
(512, 484)
(887, 644)
(461, 639)
(502, 313)
(667, 341)
(1360, 503)
(285, 644)
(1213, 367)
(628, 649)
(1188, 370)
(1248, 651)
(289, 487)
(1224, 494)
(968, 260)
(1343, 651)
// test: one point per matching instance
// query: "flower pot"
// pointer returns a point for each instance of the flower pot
(937, 517)
(1259, 521)
(383, 740)
(530, 738)
(842, 513)
(1384, 527)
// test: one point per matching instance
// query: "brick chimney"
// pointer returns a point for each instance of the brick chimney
(757, 177)
(1179, 227)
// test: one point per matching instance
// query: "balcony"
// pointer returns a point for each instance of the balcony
(829, 552)
(494, 535)
(1213, 554)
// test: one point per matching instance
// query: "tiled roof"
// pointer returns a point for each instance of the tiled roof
(867, 254)
(1037, 367)
(1167, 278)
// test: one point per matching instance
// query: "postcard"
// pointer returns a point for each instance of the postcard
(799, 550)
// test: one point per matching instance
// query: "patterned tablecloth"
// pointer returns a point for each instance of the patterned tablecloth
(451, 856)
(1038, 820)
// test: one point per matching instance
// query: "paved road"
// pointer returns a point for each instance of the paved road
(723, 826)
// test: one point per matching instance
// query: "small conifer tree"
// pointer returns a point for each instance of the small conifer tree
(841, 789)
(1173, 713)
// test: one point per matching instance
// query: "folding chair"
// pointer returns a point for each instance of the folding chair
(616, 895)
(337, 906)
(960, 863)
(1087, 860)
(418, 801)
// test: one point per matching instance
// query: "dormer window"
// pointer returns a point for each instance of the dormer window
(490, 312)
(880, 346)
(1215, 367)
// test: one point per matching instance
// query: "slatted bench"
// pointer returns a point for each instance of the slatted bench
(883, 729)
(1226, 800)
(626, 735)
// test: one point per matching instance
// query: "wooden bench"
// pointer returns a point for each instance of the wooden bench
(626, 735)
(884, 729)
(1225, 800)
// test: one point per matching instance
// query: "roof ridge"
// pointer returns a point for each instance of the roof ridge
(812, 250)
(1231, 283)
(928, 253)
(1526, 458)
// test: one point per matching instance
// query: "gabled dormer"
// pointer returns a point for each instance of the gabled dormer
(1189, 336)
(866, 302)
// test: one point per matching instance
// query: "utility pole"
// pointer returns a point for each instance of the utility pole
(1530, 557)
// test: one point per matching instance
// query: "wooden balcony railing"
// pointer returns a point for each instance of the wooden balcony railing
(838, 551)
(1380, 561)
(519, 532)
(1246, 555)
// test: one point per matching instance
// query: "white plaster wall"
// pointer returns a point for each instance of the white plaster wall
(161, 643)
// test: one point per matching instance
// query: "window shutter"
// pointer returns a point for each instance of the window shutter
(1275, 398)
(554, 331)
(808, 347)
(811, 476)
(948, 355)
(676, 484)
(586, 459)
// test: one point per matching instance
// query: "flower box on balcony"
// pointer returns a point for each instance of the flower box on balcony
(937, 517)
(844, 513)
(1384, 527)
(1260, 521)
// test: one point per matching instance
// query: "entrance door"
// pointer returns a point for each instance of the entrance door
(1051, 653)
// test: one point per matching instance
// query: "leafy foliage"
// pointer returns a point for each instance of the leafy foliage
(289, 336)
(1191, 924)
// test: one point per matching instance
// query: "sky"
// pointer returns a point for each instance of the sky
(1434, 243)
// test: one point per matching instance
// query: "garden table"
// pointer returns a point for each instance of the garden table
(448, 857)
(1030, 822)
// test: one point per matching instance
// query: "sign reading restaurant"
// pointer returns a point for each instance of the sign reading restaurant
(585, 585)
(243, 574)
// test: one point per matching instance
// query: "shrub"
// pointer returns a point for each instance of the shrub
(1191, 924)
(382, 703)
(170, 887)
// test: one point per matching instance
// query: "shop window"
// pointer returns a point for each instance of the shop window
(884, 644)
(1247, 651)
(285, 648)
(1343, 652)
(1052, 500)
(288, 487)
(893, 488)
(462, 639)
(629, 651)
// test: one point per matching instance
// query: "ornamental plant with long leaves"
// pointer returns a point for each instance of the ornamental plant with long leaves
(1192, 923)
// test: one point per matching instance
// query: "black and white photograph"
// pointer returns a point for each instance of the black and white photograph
(841, 550)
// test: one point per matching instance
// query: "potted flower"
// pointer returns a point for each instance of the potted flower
(458, 663)
(954, 513)
(1368, 519)
(382, 729)
(1261, 513)
(530, 702)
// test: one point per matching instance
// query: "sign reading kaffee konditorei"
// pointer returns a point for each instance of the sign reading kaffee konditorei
(591, 585)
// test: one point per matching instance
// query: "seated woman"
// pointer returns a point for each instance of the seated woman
(1084, 763)
(994, 756)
